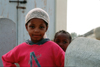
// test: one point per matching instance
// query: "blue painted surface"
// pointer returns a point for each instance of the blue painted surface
(9, 10)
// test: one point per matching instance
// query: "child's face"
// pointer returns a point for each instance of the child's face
(62, 40)
(36, 29)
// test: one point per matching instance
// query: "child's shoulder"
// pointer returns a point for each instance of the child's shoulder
(54, 46)
(21, 45)
(52, 43)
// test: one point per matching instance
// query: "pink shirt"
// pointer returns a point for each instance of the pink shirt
(48, 54)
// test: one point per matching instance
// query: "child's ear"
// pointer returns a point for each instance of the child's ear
(46, 28)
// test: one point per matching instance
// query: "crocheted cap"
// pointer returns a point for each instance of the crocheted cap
(37, 13)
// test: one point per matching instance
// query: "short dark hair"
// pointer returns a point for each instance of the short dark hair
(65, 32)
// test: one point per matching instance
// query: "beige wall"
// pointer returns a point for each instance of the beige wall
(61, 15)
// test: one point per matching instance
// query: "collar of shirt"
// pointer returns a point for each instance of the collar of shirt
(39, 43)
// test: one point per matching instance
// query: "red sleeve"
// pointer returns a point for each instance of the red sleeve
(10, 58)
(59, 56)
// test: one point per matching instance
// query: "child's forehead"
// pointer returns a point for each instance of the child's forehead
(62, 35)
(37, 24)
(62, 38)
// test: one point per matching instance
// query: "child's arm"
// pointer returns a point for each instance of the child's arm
(59, 56)
(7, 62)
(9, 58)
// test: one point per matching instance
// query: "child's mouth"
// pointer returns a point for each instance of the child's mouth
(36, 36)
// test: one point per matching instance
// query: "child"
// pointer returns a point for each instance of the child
(38, 51)
(63, 39)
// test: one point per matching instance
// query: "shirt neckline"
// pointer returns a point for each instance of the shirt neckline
(38, 43)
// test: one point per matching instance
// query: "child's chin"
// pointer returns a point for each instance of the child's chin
(37, 39)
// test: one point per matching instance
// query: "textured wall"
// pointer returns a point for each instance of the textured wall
(83, 52)
(9, 10)
(97, 33)
(61, 15)
(7, 36)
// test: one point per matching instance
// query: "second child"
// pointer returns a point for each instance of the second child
(63, 39)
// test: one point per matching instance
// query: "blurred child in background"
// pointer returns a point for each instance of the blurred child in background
(63, 39)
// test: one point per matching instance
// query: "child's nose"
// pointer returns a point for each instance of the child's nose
(60, 44)
(36, 30)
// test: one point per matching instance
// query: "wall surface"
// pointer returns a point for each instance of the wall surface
(83, 52)
(8, 10)
(61, 15)
(7, 36)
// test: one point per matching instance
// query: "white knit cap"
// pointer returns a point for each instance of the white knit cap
(37, 13)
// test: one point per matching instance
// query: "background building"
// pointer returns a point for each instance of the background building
(94, 33)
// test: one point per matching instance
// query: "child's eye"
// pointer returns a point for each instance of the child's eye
(32, 26)
(57, 41)
(41, 27)
(64, 42)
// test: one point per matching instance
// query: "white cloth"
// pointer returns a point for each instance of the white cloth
(37, 13)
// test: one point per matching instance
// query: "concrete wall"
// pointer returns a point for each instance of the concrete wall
(8, 10)
(97, 33)
(7, 36)
(57, 10)
(61, 15)
(83, 52)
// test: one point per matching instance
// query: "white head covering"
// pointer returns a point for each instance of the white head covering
(37, 13)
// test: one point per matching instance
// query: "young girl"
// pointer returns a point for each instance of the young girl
(63, 39)
(37, 51)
